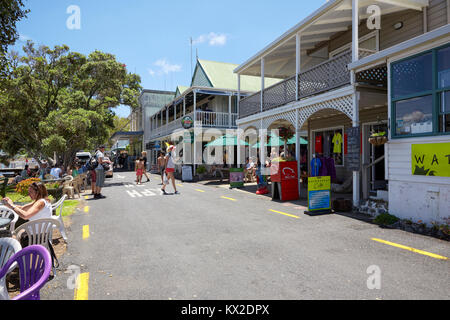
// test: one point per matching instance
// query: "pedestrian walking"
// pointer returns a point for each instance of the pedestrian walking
(144, 158)
(140, 169)
(170, 169)
(161, 165)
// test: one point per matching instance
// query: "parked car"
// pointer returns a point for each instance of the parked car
(83, 157)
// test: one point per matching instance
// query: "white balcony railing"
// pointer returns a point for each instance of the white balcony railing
(204, 119)
(323, 77)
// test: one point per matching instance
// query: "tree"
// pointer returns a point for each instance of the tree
(10, 13)
(61, 101)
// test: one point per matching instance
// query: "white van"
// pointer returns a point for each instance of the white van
(83, 157)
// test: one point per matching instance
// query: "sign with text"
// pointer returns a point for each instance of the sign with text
(237, 177)
(432, 159)
(353, 156)
(319, 193)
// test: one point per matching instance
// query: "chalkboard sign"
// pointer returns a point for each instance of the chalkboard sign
(353, 156)
(186, 173)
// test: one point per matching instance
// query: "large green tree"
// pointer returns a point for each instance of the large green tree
(11, 11)
(60, 101)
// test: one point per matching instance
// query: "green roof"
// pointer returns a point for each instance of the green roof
(180, 90)
(221, 76)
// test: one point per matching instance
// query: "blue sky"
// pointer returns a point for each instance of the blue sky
(152, 37)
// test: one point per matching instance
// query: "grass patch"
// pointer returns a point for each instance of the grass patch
(69, 207)
(386, 219)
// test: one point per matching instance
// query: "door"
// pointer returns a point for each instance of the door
(374, 164)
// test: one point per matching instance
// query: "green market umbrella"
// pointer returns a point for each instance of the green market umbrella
(276, 141)
(226, 140)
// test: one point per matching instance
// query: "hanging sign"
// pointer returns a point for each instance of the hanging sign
(432, 159)
(187, 122)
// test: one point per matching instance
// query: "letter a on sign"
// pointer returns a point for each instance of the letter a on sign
(374, 21)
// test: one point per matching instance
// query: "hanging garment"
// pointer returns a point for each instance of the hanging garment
(331, 169)
(323, 172)
(319, 144)
(337, 141)
(316, 164)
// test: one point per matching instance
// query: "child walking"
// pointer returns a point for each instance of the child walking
(140, 165)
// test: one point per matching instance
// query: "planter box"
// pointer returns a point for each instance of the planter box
(378, 141)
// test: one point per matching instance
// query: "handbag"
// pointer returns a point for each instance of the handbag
(165, 179)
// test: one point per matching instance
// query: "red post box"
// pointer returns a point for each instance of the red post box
(284, 177)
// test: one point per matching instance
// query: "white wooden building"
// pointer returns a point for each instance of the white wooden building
(336, 69)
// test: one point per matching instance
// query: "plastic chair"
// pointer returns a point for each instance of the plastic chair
(8, 248)
(35, 264)
(60, 205)
(9, 214)
(39, 232)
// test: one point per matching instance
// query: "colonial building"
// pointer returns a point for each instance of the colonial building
(351, 71)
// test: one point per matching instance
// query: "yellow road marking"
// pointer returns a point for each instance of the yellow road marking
(81, 293)
(86, 209)
(180, 185)
(433, 255)
(199, 190)
(286, 214)
(229, 198)
(85, 232)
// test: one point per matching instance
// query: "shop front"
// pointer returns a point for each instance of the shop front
(419, 148)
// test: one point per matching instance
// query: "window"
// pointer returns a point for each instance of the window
(413, 76)
(414, 116)
(444, 117)
(420, 96)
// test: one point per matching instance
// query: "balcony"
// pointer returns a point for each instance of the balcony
(323, 77)
(204, 119)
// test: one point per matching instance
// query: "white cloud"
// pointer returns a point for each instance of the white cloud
(213, 39)
(24, 38)
(164, 67)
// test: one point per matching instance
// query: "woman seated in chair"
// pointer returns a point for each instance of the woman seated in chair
(40, 208)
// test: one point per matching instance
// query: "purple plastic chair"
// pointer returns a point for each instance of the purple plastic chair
(34, 264)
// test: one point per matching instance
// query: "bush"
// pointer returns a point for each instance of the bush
(22, 186)
(386, 219)
(201, 170)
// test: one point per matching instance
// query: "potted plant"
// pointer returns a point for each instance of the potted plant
(201, 170)
(55, 190)
(378, 138)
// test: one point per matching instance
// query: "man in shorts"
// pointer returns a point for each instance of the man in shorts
(99, 173)
(161, 165)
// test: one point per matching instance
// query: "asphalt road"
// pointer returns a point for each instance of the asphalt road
(216, 243)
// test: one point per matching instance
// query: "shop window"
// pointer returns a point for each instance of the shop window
(443, 57)
(444, 117)
(414, 116)
(412, 76)
(329, 144)
(421, 94)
